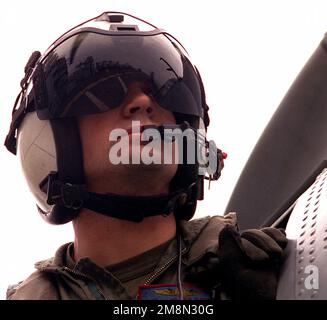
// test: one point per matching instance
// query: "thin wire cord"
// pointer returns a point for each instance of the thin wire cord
(179, 268)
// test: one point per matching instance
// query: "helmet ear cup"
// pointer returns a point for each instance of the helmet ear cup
(186, 210)
(58, 214)
(37, 154)
(46, 146)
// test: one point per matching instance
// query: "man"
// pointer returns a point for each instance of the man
(110, 132)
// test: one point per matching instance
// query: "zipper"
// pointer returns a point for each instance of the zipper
(163, 268)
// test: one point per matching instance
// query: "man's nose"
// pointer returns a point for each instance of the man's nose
(139, 104)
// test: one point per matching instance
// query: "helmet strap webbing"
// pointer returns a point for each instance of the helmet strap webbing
(131, 208)
(134, 208)
(68, 150)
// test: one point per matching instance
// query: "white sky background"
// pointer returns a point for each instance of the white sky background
(248, 53)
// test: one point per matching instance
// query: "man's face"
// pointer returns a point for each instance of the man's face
(100, 171)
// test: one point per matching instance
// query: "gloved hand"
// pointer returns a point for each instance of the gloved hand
(264, 245)
(250, 262)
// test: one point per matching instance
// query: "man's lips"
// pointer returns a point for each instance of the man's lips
(147, 136)
(139, 129)
(130, 131)
(138, 132)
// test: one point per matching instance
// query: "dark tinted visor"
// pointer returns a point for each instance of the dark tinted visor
(90, 72)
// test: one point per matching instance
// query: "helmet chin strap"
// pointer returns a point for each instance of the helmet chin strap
(131, 208)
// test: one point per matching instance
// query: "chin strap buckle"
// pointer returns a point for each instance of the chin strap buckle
(69, 195)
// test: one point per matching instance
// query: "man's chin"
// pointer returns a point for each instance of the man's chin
(146, 173)
(143, 168)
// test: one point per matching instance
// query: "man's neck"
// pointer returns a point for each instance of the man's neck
(107, 240)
